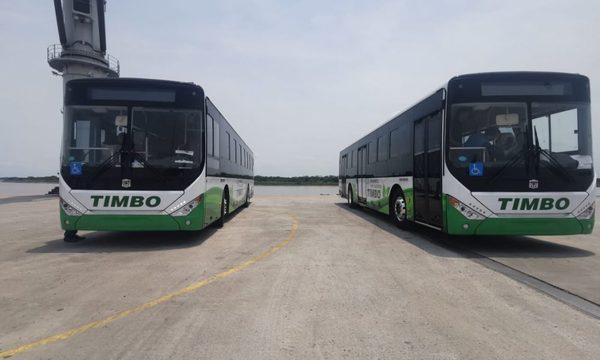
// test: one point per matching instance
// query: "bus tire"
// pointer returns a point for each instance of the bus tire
(224, 209)
(350, 197)
(398, 210)
(247, 202)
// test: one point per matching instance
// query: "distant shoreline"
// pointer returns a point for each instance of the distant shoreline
(330, 180)
(31, 180)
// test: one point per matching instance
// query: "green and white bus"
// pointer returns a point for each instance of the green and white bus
(141, 154)
(501, 153)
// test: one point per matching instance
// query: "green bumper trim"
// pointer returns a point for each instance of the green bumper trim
(134, 222)
(127, 223)
(549, 226)
(515, 226)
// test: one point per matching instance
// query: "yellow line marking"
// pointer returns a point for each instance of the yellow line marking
(150, 304)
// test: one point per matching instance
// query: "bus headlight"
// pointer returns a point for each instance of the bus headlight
(185, 208)
(70, 209)
(587, 213)
(464, 209)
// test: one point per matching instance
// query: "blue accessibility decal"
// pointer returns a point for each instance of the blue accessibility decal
(75, 168)
(476, 169)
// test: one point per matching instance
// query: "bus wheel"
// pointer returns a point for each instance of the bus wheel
(398, 210)
(350, 198)
(224, 209)
(247, 202)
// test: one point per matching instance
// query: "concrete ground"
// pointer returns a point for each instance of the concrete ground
(296, 277)
(569, 262)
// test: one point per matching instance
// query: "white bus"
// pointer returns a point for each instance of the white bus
(141, 154)
(493, 153)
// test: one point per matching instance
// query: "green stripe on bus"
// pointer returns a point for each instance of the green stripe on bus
(122, 222)
(457, 224)
(409, 197)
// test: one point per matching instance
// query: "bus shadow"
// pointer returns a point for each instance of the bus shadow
(444, 245)
(132, 241)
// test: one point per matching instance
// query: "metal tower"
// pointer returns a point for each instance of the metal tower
(82, 49)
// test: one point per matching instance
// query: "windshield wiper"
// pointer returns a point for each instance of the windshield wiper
(535, 151)
(104, 166)
(131, 155)
(137, 157)
(513, 162)
(555, 165)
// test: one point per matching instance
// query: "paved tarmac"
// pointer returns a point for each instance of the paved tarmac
(569, 262)
(290, 277)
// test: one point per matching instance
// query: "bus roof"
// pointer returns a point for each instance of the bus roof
(141, 81)
(526, 74)
(482, 75)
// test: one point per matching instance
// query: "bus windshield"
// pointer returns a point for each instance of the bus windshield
(155, 141)
(168, 138)
(90, 134)
(508, 142)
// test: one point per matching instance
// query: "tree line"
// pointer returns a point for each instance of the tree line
(31, 179)
(296, 180)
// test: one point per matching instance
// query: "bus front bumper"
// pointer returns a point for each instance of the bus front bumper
(193, 221)
(457, 224)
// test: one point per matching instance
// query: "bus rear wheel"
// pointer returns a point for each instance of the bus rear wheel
(398, 210)
(350, 197)
(247, 202)
(224, 209)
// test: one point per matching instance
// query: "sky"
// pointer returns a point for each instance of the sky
(298, 80)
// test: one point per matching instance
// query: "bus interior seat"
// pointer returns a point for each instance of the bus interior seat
(506, 141)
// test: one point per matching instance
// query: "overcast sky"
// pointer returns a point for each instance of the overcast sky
(299, 80)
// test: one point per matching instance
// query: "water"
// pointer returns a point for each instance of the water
(8, 189)
(295, 190)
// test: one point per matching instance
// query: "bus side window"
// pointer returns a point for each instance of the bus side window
(401, 149)
(235, 150)
(395, 143)
(344, 165)
(215, 139)
(228, 145)
(209, 135)
(380, 152)
(372, 152)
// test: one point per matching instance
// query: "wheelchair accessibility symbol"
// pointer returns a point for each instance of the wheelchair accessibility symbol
(476, 169)
(75, 168)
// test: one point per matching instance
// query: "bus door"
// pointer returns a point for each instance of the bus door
(428, 170)
(362, 172)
